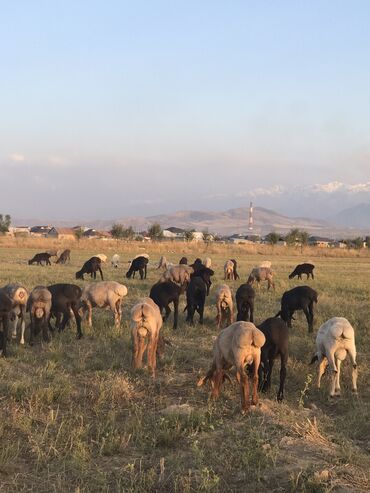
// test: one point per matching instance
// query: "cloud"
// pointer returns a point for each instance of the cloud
(16, 158)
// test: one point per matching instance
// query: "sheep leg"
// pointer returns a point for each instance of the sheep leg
(175, 313)
(256, 364)
(200, 310)
(251, 313)
(283, 364)
(152, 349)
(310, 310)
(101, 273)
(5, 334)
(89, 313)
(141, 272)
(119, 312)
(267, 384)
(312, 275)
(322, 367)
(337, 378)
(308, 317)
(219, 316)
(140, 345)
(145, 271)
(244, 390)
(217, 379)
(32, 328)
(190, 316)
(78, 320)
(167, 312)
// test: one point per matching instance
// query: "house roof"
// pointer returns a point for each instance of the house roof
(64, 231)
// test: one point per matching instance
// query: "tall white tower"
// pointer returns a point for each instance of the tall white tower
(250, 221)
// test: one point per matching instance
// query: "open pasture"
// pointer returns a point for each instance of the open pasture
(74, 416)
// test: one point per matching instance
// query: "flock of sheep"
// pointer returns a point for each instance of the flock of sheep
(249, 348)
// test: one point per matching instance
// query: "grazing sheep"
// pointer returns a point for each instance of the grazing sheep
(102, 257)
(19, 296)
(276, 333)
(260, 274)
(229, 270)
(103, 294)
(115, 260)
(197, 264)
(236, 275)
(64, 257)
(302, 269)
(298, 298)
(65, 300)
(335, 339)
(146, 255)
(244, 297)
(237, 345)
(5, 309)
(196, 293)
(39, 258)
(207, 262)
(163, 294)
(39, 308)
(90, 267)
(146, 322)
(138, 264)
(183, 261)
(225, 306)
(265, 263)
(179, 274)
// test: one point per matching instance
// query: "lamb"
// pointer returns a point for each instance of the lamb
(138, 264)
(39, 258)
(335, 339)
(64, 302)
(207, 262)
(244, 297)
(236, 275)
(195, 299)
(183, 261)
(229, 270)
(260, 274)
(141, 255)
(115, 260)
(303, 269)
(5, 309)
(265, 263)
(237, 345)
(276, 333)
(298, 298)
(165, 293)
(90, 267)
(64, 257)
(179, 274)
(19, 296)
(102, 257)
(146, 322)
(103, 294)
(225, 306)
(39, 308)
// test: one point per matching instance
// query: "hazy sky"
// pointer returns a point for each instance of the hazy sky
(119, 108)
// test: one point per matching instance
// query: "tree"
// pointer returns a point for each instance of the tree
(189, 234)
(304, 237)
(207, 237)
(293, 236)
(79, 233)
(272, 238)
(358, 243)
(4, 223)
(129, 233)
(367, 241)
(155, 232)
(117, 231)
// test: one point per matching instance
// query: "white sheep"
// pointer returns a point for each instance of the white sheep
(207, 262)
(115, 260)
(335, 339)
(103, 294)
(259, 274)
(225, 305)
(164, 263)
(266, 263)
(19, 296)
(237, 345)
(146, 322)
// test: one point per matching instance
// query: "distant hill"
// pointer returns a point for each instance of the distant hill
(223, 223)
(354, 217)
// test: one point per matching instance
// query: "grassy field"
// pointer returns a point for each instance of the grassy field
(75, 417)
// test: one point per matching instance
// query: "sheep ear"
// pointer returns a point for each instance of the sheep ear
(258, 338)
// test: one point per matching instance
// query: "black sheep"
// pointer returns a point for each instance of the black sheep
(244, 297)
(195, 299)
(65, 298)
(91, 266)
(164, 293)
(277, 337)
(39, 258)
(303, 269)
(298, 298)
(138, 264)
(5, 309)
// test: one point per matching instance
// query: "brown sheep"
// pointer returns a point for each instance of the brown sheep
(179, 274)
(225, 306)
(260, 274)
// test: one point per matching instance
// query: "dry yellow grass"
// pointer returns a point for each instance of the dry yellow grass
(74, 416)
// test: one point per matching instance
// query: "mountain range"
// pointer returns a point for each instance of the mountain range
(348, 223)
